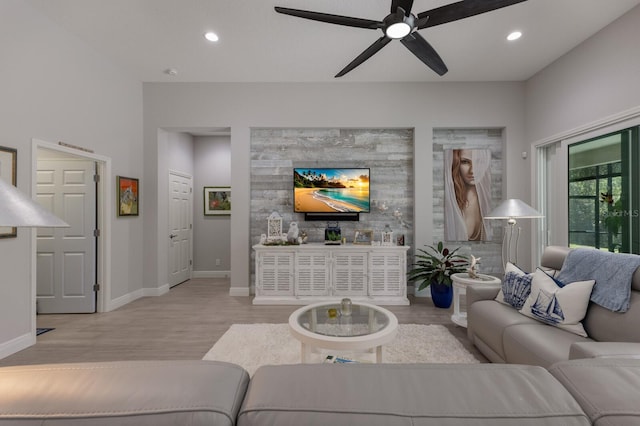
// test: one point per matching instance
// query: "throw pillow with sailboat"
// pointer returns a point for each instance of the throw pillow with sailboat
(558, 304)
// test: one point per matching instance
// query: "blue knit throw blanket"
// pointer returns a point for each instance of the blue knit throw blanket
(612, 271)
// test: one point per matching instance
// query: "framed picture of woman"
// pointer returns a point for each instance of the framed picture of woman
(467, 194)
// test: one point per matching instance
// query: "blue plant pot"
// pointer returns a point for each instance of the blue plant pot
(442, 295)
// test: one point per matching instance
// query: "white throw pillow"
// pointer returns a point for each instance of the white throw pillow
(516, 286)
(558, 304)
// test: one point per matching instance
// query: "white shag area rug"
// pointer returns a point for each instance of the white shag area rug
(253, 345)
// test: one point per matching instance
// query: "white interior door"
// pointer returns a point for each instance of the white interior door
(66, 257)
(180, 228)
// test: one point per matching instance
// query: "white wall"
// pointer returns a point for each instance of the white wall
(596, 80)
(55, 88)
(421, 106)
(180, 152)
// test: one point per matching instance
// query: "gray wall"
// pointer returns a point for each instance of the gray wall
(207, 159)
(243, 107)
(181, 153)
(54, 88)
(492, 140)
(388, 153)
(596, 80)
(211, 234)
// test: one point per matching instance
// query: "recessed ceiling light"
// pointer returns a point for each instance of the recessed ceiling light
(514, 36)
(211, 36)
(171, 71)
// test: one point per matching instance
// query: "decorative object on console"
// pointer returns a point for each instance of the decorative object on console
(387, 236)
(511, 209)
(8, 165)
(274, 227)
(292, 233)
(473, 266)
(363, 236)
(400, 240)
(20, 211)
(332, 234)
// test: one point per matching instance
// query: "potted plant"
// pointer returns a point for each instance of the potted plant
(434, 268)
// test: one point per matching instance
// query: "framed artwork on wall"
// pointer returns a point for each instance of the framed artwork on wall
(217, 200)
(467, 194)
(128, 196)
(8, 164)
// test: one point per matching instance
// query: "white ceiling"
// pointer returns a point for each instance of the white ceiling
(146, 37)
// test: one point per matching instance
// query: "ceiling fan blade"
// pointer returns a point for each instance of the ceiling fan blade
(332, 19)
(423, 51)
(404, 4)
(369, 52)
(460, 10)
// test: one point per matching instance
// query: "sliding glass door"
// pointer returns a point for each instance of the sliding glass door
(603, 193)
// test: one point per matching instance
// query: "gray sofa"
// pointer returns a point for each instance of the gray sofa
(599, 391)
(503, 335)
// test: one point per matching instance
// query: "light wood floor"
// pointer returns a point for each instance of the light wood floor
(182, 324)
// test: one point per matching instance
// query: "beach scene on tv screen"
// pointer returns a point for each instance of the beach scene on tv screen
(331, 190)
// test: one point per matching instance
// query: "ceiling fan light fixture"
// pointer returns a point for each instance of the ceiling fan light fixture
(398, 30)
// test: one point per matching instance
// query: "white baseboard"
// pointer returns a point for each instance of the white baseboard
(239, 291)
(210, 274)
(156, 291)
(17, 344)
(135, 295)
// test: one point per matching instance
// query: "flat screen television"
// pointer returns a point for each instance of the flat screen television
(331, 190)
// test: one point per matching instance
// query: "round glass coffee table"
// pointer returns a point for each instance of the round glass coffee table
(322, 325)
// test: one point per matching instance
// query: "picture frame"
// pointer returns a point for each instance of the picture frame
(217, 200)
(363, 237)
(128, 196)
(8, 172)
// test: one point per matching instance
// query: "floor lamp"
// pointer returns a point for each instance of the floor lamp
(511, 210)
(19, 210)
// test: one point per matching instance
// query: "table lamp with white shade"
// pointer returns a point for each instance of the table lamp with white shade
(511, 210)
(19, 210)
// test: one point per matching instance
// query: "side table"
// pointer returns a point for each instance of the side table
(460, 283)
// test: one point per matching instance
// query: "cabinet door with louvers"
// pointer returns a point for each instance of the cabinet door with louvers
(274, 273)
(387, 273)
(312, 273)
(349, 273)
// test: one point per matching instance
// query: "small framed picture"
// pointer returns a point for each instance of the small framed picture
(8, 164)
(128, 196)
(364, 237)
(217, 200)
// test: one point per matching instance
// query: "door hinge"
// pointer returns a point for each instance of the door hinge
(96, 178)
(96, 233)
(190, 262)
(191, 226)
(96, 287)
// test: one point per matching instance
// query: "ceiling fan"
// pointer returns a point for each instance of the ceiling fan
(402, 24)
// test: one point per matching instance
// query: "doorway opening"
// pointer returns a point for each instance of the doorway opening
(102, 204)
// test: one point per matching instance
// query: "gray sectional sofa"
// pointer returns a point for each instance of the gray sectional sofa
(573, 381)
(504, 335)
(197, 393)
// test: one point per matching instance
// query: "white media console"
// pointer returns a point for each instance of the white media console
(308, 273)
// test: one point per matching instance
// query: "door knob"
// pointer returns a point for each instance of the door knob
(172, 236)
